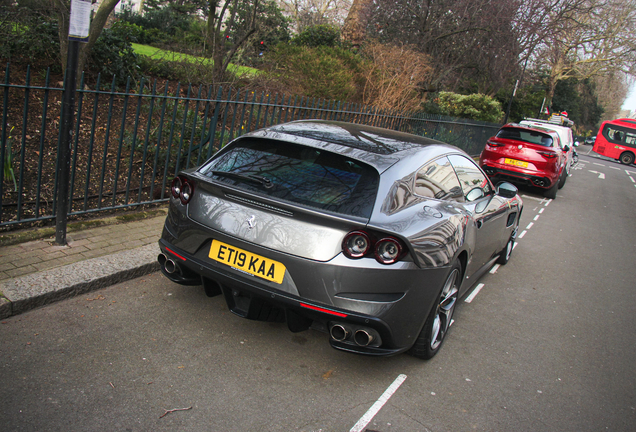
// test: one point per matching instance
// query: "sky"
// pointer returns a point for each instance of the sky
(630, 102)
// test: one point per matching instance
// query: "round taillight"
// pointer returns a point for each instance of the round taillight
(356, 244)
(388, 250)
(186, 192)
(176, 187)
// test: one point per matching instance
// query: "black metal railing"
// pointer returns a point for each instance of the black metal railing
(128, 144)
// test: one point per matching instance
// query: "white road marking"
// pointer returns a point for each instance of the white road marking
(595, 163)
(494, 268)
(473, 294)
(522, 234)
(530, 225)
(628, 172)
(632, 179)
(600, 174)
(536, 217)
(514, 246)
(377, 406)
(615, 168)
(532, 198)
(541, 211)
(548, 202)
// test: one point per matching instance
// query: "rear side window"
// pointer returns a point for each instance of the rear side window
(533, 137)
(437, 179)
(298, 174)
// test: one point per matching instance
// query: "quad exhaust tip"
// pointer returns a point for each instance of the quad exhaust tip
(168, 265)
(339, 332)
(362, 337)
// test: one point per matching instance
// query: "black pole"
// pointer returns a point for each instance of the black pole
(64, 149)
(514, 92)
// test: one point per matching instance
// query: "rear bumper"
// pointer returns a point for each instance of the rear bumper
(389, 305)
(526, 177)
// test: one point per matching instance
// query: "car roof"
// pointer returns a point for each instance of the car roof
(564, 132)
(552, 133)
(378, 147)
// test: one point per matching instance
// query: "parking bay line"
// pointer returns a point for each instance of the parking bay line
(494, 268)
(473, 294)
(377, 406)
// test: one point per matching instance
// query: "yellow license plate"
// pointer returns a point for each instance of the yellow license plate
(515, 162)
(247, 261)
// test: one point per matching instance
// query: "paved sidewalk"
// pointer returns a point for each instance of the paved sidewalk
(39, 272)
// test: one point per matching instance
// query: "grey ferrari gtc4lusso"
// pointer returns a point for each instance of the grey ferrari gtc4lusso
(368, 234)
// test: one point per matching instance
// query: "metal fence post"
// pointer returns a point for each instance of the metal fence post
(64, 149)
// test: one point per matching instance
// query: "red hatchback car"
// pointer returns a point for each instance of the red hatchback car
(525, 155)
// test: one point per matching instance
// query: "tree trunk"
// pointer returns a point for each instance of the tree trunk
(354, 29)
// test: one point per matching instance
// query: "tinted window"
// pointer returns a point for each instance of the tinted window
(302, 175)
(437, 179)
(620, 135)
(470, 177)
(533, 137)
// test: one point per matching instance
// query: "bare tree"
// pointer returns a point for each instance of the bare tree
(312, 12)
(471, 42)
(583, 39)
(230, 25)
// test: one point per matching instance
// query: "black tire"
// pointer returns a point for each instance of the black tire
(433, 334)
(562, 179)
(627, 158)
(551, 193)
(505, 254)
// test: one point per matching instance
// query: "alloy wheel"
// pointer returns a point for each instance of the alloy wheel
(445, 309)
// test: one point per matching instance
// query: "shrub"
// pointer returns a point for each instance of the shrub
(322, 72)
(28, 37)
(475, 106)
(318, 35)
(113, 54)
(393, 76)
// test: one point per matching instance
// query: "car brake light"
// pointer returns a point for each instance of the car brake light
(494, 144)
(388, 250)
(358, 244)
(549, 155)
(183, 189)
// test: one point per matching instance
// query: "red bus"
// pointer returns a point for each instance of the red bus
(616, 139)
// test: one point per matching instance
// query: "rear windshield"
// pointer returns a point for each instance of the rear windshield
(533, 137)
(302, 175)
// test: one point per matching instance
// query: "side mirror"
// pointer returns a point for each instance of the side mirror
(566, 148)
(506, 190)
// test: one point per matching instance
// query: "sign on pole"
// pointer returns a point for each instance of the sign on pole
(78, 29)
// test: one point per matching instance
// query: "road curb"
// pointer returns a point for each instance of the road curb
(31, 291)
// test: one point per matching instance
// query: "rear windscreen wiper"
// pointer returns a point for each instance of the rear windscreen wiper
(247, 177)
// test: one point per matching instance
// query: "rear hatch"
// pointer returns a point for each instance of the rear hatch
(524, 149)
(283, 196)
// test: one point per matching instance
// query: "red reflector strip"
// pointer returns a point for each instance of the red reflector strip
(319, 309)
(175, 254)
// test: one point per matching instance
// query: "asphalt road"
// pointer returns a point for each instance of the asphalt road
(547, 344)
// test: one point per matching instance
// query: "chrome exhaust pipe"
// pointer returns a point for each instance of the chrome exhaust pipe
(339, 332)
(170, 266)
(363, 337)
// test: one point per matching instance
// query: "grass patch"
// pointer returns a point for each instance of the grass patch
(172, 56)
